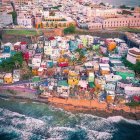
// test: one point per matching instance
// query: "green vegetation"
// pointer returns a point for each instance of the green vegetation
(124, 7)
(9, 64)
(127, 29)
(133, 104)
(102, 4)
(23, 32)
(135, 67)
(26, 76)
(14, 16)
(57, 7)
(69, 30)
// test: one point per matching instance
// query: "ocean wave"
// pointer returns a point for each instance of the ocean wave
(57, 124)
(96, 135)
(117, 119)
(6, 99)
(21, 123)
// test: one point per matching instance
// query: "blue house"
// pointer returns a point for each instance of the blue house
(7, 48)
(73, 45)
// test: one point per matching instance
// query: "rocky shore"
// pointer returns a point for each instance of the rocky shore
(133, 114)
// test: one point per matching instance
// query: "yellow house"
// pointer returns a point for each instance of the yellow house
(8, 79)
(73, 78)
(35, 72)
(105, 71)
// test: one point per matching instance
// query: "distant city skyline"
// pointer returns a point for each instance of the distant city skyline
(121, 2)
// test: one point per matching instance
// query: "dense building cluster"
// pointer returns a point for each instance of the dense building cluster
(80, 66)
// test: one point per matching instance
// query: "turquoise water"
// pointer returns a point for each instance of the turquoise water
(36, 121)
(121, 2)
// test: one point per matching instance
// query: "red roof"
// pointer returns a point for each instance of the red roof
(23, 43)
(51, 38)
(136, 98)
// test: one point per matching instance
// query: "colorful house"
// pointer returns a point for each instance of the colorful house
(40, 71)
(110, 86)
(131, 91)
(17, 46)
(23, 46)
(50, 64)
(63, 62)
(43, 64)
(104, 60)
(88, 65)
(8, 79)
(6, 49)
(83, 84)
(91, 77)
(73, 78)
(26, 56)
(100, 83)
(52, 41)
(123, 72)
(35, 71)
(16, 75)
(112, 78)
(110, 97)
(36, 79)
(36, 61)
(31, 53)
(48, 48)
(96, 47)
(105, 70)
(73, 45)
(63, 88)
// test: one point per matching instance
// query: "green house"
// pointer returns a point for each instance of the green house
(91, 84)
(125, 75)
(62, 83)
(36, 79)
(96, 47)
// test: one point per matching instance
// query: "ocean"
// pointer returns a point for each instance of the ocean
(36, 121)
(121, 2)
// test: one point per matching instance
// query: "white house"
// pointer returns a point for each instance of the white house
(36, 61)
(130, 91)
(5, 18)
(25, 21)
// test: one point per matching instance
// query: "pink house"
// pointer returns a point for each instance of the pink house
(104, 60)
(23, 46)
(130, 91)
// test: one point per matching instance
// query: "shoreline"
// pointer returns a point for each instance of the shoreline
(77, 109)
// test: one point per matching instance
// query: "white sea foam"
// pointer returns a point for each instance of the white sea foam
(59, 133)
(117, 119)
(6, 99)
(96, 135)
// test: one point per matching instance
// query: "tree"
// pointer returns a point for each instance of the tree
(124, 7)
(102, 4)
(137, 67)
(9, 64)
(69, 30)
(14, 16)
